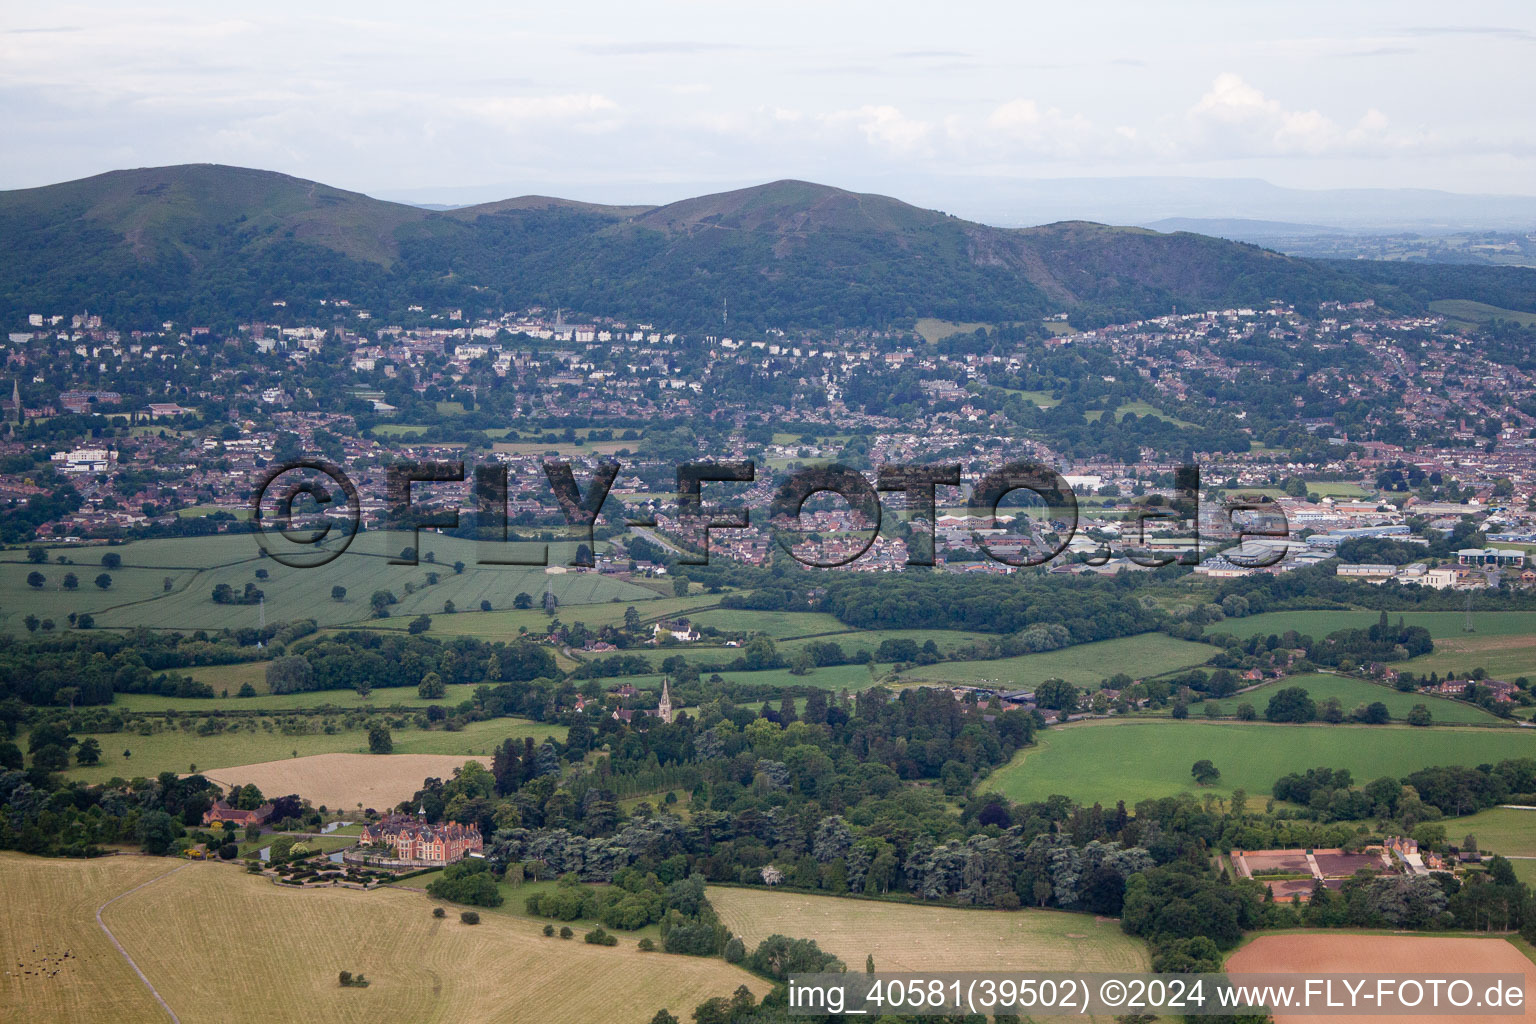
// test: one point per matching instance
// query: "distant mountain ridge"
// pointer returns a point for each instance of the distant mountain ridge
(216, 244)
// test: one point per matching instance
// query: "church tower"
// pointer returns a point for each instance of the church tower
(664, 708)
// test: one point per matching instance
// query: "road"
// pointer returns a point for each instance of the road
(103, 925)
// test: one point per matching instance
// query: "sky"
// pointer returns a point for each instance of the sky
(646, 102)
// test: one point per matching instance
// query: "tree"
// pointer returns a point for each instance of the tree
(35, 580)
(1205, 772)
(379, 740)
(85, 620)
(380, 602)
(522, 600)
(338, 593)
(431, 687)
(104, 581)
(1056, 694)
(52, 758)
(111, 560)
(89, 751)
(71, 581)
(156, 832)
(420, 624)
(1292, 704)
(448, 608)
(469, 916)
(1419, 715)
(37, 554)
(680, 586)
(632, 619)
(290, 674)
(485, 604)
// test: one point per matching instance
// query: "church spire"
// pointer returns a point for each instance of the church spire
(664, 707)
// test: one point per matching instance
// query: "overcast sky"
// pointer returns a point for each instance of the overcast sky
(649, 101)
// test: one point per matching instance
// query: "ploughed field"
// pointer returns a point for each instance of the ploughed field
(1419, 956)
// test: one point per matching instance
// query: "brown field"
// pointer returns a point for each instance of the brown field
(342, 781)
(904, 937)
(221, 945)
(1424, 956)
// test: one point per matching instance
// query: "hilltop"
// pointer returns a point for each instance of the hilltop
(216, 244)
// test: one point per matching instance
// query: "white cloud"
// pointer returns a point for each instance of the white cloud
(516, 109)
(886, 127)
(1234, 118)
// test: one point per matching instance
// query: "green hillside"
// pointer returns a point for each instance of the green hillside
(215, 245)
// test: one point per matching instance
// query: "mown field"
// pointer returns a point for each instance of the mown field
(1105, 761)
(195, 566)
(344, 781)
(1149, 654)
(272, 954)
(176, 751)
(1353, 692)
(48, 925)
(904, 937)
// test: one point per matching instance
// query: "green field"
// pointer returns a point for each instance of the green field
(775, 624)
(1502, 643)
(1143, 656)
(176, 751)
(1318, 624)
(508, 625)
(196, 565)
(851, 641)
(1105, 761)
(1479, 312)
(1353, 692)
(934, 330)
(401, 696)
(1504, 830)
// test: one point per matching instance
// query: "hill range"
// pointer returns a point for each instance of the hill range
(211, 244)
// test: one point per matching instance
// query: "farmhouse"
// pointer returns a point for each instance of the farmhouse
(221, 812)
(416, 839)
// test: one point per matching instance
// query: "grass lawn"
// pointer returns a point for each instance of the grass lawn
(1105, 761)
(1149, 654)
(176, 751)
(1351, 693)
(906, 937)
